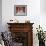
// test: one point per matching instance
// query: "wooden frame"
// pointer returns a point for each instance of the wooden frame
(20, 10)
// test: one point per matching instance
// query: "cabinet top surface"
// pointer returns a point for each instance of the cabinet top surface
(19, 23)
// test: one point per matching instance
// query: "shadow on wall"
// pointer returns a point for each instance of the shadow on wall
(0, 15)
(43, 6)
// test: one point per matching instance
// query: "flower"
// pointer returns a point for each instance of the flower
(40, 33)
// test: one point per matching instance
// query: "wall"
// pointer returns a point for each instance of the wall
(43, 6)
(0, 15)
(43, 14)
(33, 11)
(34, 14)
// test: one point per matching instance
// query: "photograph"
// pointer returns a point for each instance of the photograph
(20, 10)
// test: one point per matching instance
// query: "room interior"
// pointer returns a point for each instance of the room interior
(34, 15)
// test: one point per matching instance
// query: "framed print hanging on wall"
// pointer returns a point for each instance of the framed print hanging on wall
(20, 10)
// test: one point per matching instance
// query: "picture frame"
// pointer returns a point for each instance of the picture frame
(20, 10)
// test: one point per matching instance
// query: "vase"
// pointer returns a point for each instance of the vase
(41, 43)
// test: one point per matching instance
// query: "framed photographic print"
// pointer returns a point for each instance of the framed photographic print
(20, 10)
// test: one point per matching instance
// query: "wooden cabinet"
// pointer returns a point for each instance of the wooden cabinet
(22, 33)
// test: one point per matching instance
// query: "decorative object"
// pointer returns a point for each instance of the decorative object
(20, 10)
(13, 21)
(27, 21)
(41, 36)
